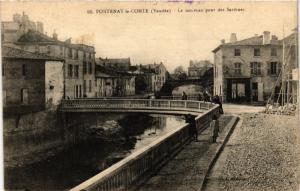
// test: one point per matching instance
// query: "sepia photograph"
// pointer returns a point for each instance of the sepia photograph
(175, 95)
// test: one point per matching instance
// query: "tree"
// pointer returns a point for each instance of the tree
(180, 73)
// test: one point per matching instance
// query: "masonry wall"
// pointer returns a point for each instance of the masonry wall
(226, 58)
(14, 81)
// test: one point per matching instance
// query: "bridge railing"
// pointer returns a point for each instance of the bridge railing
(125, 173)
(135, 104)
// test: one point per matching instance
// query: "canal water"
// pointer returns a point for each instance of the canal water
(83, 160)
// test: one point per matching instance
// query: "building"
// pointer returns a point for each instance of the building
(247, 70)
(13, 30)
(197, 69)
(31, 81)
(156, 77)
(119, 64)
(79, 66)
(112, 83)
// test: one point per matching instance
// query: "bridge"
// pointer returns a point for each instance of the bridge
(132, 170)
(159, 106)
(206, 81)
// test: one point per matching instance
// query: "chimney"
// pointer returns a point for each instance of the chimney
(40, 27)
(274, 37)
(54, 35)
(233, 37)
(223, 41)
(266, 37)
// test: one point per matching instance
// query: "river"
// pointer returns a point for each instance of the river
(81, 161)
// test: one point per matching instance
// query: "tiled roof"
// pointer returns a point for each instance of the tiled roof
(37, 37)
(114, 60)
(34, 36)
(255, 40)
(10, 52)
(102, 71)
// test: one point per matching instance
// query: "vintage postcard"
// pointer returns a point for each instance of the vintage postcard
(156, 96)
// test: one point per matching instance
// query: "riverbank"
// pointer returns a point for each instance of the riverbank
(187, 170)
(262, 154)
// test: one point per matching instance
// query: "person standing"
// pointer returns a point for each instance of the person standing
(184, 96)
(214, 126)
(192, 126)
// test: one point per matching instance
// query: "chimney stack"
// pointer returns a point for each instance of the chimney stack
(266, 37)
(233, 37)
(54, 35)
(223, 41)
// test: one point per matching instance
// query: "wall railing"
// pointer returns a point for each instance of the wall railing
(137, 104)
(125, 173)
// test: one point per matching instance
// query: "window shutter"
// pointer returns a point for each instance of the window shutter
(269, 67)
(279, 67)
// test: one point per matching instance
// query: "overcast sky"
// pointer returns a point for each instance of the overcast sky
(173, 38)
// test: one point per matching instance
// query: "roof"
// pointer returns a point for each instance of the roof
(36, 37)
(252, 41)
(15, 53)
(114, 60)
(102, 71)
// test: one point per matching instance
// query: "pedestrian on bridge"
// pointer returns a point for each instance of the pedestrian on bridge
(214, 127)
(184, 96)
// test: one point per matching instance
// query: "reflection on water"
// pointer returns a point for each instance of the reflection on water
(82, 161)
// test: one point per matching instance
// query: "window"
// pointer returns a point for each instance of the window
(273, 52)
(84, 56)
(76, 91)
(90, 68)
(84, 88)
(76, 54)
(69, 52)
(70, 70)
(84, 68)
(48, 49)
(273, 68)
(255, 68)
(90, 85)
(3, 69)
(90, 55)
(80, 95)
(24, 96)
(24, 69)
(4, 97)
(96, 82)
(256, 52)
(36, 49)
(237, 68)
(61, 50)
(76, 71)
(237, 52)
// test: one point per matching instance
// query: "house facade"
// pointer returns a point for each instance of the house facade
(79, 65)
(31, 81)
(112, 83)
(156, 78)
(197, 69)
(247, 70)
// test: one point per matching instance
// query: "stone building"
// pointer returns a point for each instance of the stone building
(79, 61)
(31, 81)
(247, 70)
(13, 30)
(113, 83)
(197, 69)
(156, 78)
(79, 66)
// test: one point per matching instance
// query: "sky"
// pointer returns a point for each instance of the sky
(173, 38)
